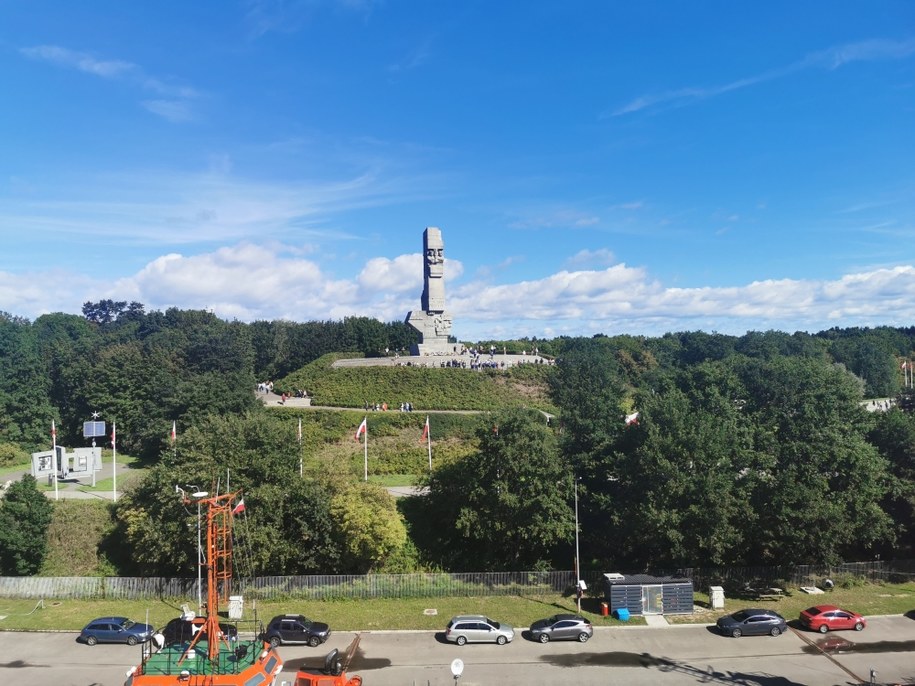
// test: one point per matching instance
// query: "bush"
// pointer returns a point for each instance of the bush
(850, 581)
(12, 455)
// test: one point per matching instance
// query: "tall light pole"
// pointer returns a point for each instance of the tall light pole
(577, 567)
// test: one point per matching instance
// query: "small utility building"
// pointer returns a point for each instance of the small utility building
(642, 594)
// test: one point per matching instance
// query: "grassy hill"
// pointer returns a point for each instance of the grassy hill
(457, 401)
(425, 388)
(397, 453)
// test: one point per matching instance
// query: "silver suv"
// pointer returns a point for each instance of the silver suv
(478, 629)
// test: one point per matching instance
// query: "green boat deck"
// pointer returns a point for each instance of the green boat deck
(234, 657)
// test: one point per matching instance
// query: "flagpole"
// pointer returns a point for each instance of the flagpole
(429, 442)
(54, 461)
(114, 462)
(301, 465)
(366, 457)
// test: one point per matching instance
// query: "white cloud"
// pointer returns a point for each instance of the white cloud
(403, 273)
(587, 258)
(250, 281)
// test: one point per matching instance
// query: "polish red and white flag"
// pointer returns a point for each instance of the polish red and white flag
(363, 428)
(426, 429)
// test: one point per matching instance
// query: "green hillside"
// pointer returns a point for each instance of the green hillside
(395, 441)
(425, 388)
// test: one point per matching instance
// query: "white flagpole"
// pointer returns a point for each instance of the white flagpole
(114, 461)
(429, 442)
(366, 458)
(54, 459)
(301, 466)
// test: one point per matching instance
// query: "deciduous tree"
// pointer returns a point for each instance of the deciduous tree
(25, 515)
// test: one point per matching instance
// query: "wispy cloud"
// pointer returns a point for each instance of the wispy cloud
(864, 51)
(415, 58)
(289, 16)
(176, 107)
(81, 61)
(831, 58)
(563, 218)
(172, 110)
(280, 16)
(175, 209)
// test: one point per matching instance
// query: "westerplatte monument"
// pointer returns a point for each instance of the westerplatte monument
(432, 322)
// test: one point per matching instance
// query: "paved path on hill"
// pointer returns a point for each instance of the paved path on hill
(274, 400)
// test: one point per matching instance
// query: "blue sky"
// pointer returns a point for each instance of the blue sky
(614, 167)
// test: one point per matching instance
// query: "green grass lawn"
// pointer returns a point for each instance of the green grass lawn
(414, 613)
(391, 480)
(342, 615)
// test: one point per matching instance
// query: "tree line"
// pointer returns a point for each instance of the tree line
(747, 450)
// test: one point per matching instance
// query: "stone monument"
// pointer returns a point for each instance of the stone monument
(432, 322)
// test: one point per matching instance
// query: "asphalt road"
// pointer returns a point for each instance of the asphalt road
(637, 656)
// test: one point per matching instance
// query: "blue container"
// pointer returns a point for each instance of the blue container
(622, 614)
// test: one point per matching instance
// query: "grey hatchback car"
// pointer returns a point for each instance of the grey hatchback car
(562, 628)
(478, 629)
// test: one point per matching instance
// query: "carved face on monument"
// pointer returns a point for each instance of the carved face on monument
(435, 262)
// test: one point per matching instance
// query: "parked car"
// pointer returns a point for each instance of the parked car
(115, 630)
(562, 628)
(180, 630)
(284, 629)
(752, 622)
(825, 618)
(478, 629)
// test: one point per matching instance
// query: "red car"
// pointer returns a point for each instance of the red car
(825, 618)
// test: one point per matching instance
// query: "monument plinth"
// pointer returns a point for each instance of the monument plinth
(432, 322)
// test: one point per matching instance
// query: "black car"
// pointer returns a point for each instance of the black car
(284, 629)
(561, 628)
(752, 622)
(181, 630)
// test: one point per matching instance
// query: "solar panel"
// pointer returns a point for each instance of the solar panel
(93, 429)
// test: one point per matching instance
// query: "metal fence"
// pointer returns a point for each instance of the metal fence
(796, 576)
(421, 585)
(315, 587)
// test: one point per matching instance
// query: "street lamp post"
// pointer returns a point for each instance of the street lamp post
(577, 567)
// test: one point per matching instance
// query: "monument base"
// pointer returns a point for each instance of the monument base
(434, 347)
(434, 328)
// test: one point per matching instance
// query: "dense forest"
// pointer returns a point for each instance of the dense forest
(747, 450)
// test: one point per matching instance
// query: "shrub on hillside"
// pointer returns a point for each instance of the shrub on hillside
(11, 455)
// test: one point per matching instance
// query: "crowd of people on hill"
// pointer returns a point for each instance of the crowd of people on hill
(383, 407)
